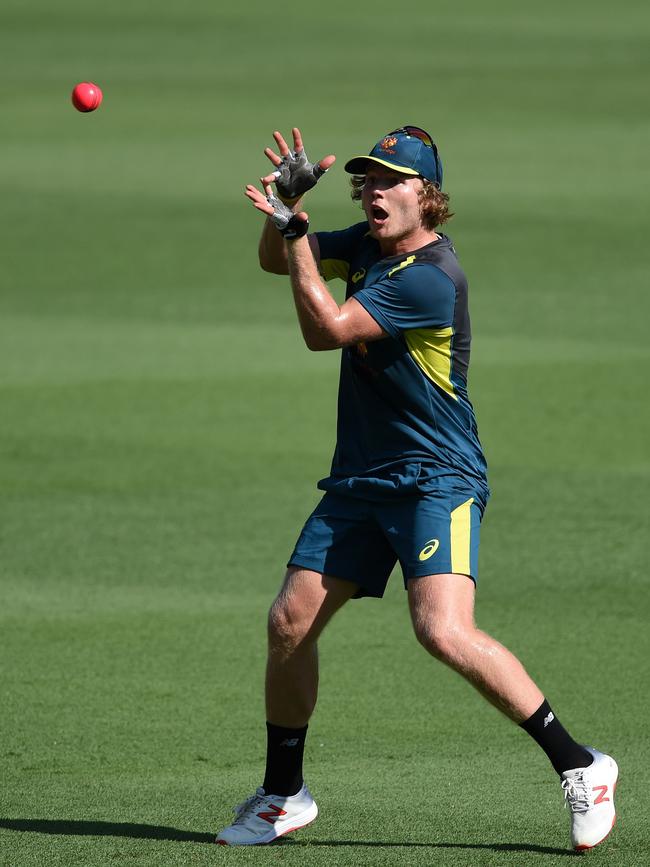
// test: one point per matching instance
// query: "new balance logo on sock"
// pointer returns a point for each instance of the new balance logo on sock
(548, 719)
(290, 742)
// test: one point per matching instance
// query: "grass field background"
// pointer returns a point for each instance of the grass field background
(163, 426)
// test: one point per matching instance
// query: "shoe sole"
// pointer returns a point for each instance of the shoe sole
(275, 833)
(593, 845)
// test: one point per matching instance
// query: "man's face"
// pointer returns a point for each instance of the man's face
(391, 203)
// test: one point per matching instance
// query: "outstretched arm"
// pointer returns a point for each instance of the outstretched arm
(293, 175)
(272, 249)
(324, 324)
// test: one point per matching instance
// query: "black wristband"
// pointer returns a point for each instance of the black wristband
(295, 228)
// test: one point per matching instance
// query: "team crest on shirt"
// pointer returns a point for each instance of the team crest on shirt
(388, 144)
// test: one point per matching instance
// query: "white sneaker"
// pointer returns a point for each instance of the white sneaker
(263, 818)
(589, 792)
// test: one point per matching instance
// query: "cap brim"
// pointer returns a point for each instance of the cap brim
(359, 166)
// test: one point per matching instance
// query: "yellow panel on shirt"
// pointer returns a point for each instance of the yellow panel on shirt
(331, 268)
(431, 350)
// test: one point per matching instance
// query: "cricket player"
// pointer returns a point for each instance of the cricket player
(408, 478)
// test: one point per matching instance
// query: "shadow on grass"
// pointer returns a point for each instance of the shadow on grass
(78, 828)
(104, 829)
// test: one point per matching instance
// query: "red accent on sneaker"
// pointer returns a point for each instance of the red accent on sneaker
(273, 814)
(601, 798)
(584, 848)
(296, 828)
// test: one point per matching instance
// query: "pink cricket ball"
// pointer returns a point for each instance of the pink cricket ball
(86, 96)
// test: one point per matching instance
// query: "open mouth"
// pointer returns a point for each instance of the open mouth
(379, 215)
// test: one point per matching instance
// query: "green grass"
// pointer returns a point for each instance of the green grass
(163, 426)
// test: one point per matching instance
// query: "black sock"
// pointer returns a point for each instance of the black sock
(284, 760)
(555, 740)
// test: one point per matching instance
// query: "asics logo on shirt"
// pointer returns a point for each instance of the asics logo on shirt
(429, 549)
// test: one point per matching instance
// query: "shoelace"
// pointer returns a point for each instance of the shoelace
(243, 810)
(576, 795)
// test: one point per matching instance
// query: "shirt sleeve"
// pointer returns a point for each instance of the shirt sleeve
(415, 296)
(337, 250)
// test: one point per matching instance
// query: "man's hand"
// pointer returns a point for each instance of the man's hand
(290, 225)
(294, 174)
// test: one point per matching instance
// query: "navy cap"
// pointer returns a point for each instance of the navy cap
(409, 150)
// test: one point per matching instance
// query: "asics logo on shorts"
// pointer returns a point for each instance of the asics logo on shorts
(429, 549)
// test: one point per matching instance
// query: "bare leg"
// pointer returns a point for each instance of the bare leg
(442, 611)
(304, 606)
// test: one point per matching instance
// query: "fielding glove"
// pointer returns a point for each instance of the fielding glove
(287, 223)
(295, 175)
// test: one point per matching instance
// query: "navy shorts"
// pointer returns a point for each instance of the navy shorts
(361, 540)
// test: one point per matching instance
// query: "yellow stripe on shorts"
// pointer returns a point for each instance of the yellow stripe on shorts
(461, 538)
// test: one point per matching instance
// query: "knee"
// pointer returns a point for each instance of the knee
(444, 641)
(287, 625)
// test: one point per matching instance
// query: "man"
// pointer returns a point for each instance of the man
(408, 478)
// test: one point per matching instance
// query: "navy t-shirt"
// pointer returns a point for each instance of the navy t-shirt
(404, 418)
